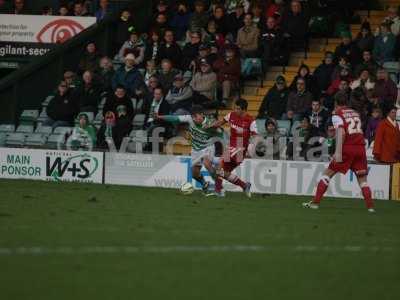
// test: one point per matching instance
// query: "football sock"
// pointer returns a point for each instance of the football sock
(232, 178)
(218, 184)
(200, 180)
(321, 189)
(366, 192)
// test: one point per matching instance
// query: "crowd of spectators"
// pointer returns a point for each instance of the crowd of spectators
(198, 52)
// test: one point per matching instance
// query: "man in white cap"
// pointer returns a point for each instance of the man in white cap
(128, 75)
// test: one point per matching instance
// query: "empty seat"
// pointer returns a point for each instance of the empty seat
(62, 130)
(25, 129)
(43, 116)
(28, 117)
(15, 139)
(138, 141)
(55, 141)
(283, 131)
(3, 137)
(46, 102)
(102, 103)
(138, 121)
(260, 125)
(36, 140)
(7, 128)
(295, 126)
(284, 124)
(46, 130)
(98, 119)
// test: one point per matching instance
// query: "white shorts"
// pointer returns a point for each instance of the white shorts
(198, 156)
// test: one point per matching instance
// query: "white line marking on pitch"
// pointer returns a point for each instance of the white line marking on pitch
(69, 250)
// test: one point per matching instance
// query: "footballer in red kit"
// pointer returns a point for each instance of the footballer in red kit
(242, 127)
(350, 154)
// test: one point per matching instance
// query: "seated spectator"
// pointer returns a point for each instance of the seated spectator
(275, 101)
(180, 21)
(87, 96)
(367, 63)
(247, 38)
(343, 63)
(63, 10)
(272, 137)
(141, 101)
(372, 125)
(119, 97)
(220, 20)
(235, 20)
(393, 19)
(159, 106)
(329, 139)
(363, 81)
(318, 116)
(104, 10)
(115, 127)
(204, 53)
(20, 8)
(204, 84)
(106, 73)
(179, 97)
(256, 10)
(305, 132)
(299, 101)
(166, 75)
(123, 28)
(311, 83)
(135, 46)
(212, 36)
(387, 139)
(384, 45)
(347, 48)
(273, 45)
(152, 84)
(170, 50)
(80, 10)
(294, 25)
(151, 70)
(152, 47)
(344, 76)
(90, 59)
(385, 89)
(191, 50)
(62, 109)
(84, 136)
(365, 38)
(71, 80)
(228, 73)
(128, 75)
(47, 11)
(199, 18)
(160, 23)
(323, 73)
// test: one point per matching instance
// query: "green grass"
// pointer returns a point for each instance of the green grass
(337, 252)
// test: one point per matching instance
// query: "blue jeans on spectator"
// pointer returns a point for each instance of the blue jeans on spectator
(55, 124)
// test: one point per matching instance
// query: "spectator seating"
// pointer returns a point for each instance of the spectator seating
(16, 139)
(36, 140)
(28, 117)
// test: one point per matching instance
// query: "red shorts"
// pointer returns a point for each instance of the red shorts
(233, 158)
(353, 158)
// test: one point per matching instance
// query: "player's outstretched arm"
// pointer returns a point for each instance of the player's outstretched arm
(175, 119)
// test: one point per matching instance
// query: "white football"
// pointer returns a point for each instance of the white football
(187, 188)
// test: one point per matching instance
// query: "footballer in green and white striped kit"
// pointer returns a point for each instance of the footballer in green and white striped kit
(203, 137)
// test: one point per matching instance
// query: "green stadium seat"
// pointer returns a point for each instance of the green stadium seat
(15, 139)
(7, 128)
(46, 130)
(138, 121)
(283, 131)
(284, 124)
(3, 137)
(62, 130)
(294, 129)
(28, 117)
(25, 129)
(55, 141)
(98, 119)
(43, 116)
(102, 103)
(36, 140)
(260, 125)
(46, 102)
(138, 141)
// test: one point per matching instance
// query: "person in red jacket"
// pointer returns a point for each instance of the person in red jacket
(387, 139)
(228, 73)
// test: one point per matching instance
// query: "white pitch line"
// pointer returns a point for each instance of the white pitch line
(87, 250)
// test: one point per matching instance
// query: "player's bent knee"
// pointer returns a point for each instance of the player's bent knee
(325, 179)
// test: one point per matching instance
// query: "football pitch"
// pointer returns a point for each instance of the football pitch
(83, 241)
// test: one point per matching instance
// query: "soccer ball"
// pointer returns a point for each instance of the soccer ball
(187, 188)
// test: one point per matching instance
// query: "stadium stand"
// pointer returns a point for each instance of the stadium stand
(247, 44)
